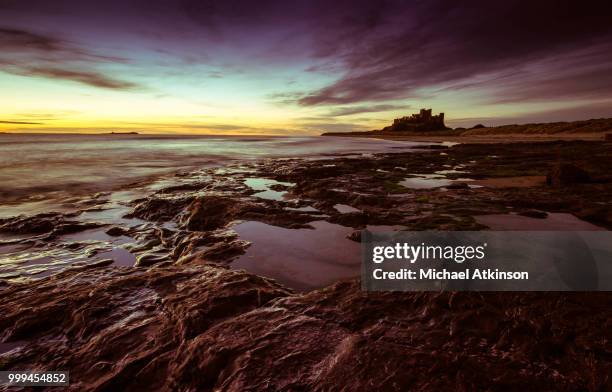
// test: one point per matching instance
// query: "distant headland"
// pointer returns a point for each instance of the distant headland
(122, 133)
(425, 123)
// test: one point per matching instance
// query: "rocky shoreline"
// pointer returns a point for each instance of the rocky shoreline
(186, 319)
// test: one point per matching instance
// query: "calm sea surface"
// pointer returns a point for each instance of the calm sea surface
(94, 178)
(39, 167)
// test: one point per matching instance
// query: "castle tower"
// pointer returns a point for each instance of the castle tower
(425, 114)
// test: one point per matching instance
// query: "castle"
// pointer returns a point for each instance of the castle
(423, 121)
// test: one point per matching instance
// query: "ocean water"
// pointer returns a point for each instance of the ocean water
(39, 167)
(94, 177)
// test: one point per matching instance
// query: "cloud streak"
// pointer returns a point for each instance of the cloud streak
(27, 53)
(21, 122)
(350, 110)
(434, 43)
(94, 79)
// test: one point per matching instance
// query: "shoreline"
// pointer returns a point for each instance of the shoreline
(197, 273)
(424, 126)
(386, 189)
(87, 166)
(485, 139)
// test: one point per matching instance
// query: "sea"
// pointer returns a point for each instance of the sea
(40, 167)
(95, 178)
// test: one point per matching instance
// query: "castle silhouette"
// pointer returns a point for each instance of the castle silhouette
(422, 121)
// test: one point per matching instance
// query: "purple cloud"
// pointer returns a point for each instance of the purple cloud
(364, 54)
(349, 110)
(433, 43)
(94, 79)
(31, 54)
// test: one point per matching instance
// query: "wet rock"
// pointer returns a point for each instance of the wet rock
(318, 171)
(211, 212)
(157, 208)
(371, 200)
(145, 244)
(457, 185)
(190, 243)
(196, 186)
(208, 328)
(566, 173)
(116, 231)
(280, 187)
(148, 259)
(41, 223)
(70, 227)
(122, 328)
(355, 236)
(319, 192)
(92, 265)
(223, 251)
(53, 223)
(433, 147)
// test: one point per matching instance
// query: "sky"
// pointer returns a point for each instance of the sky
(298, 67)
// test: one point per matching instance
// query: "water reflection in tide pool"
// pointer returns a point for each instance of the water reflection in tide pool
(426, 181)
(264, 186)
(552, 222)
(302, 259)
(19, 262)
(345, 209)
(299, 258)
